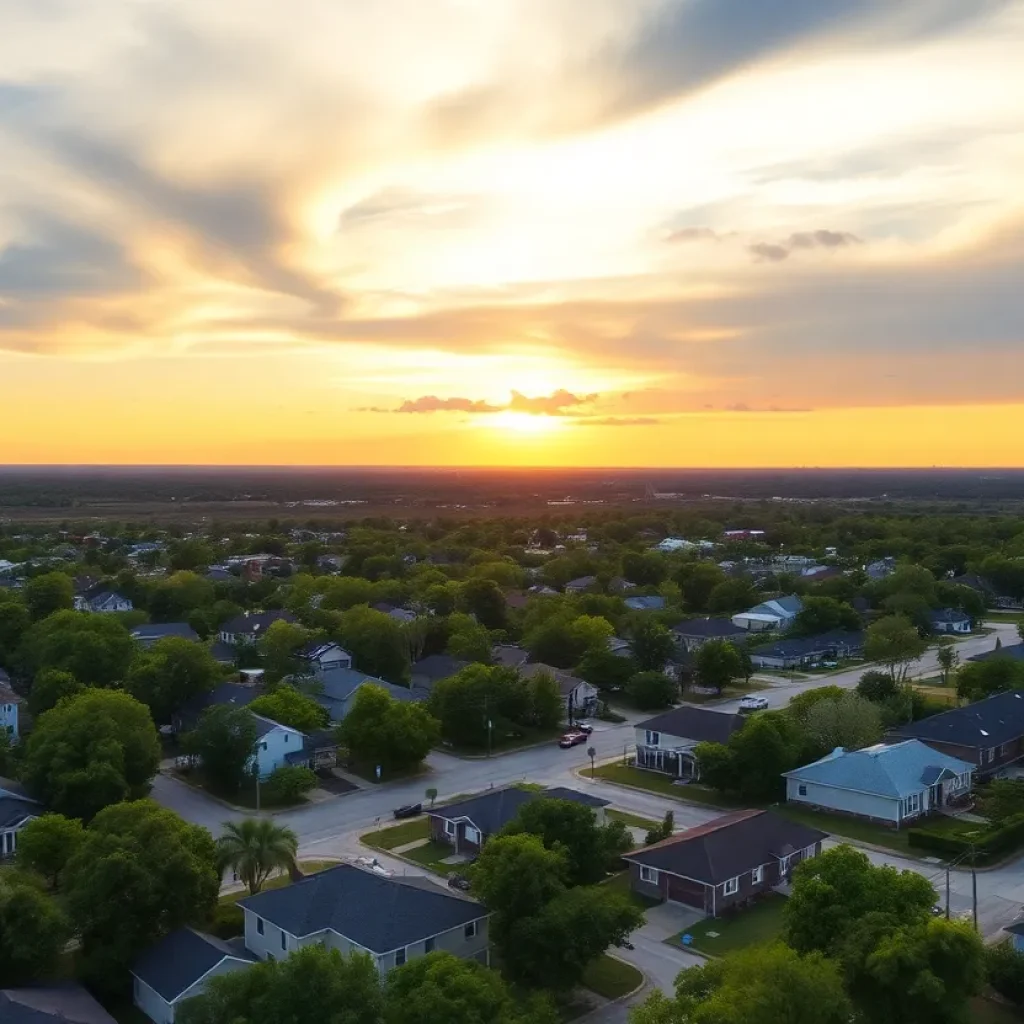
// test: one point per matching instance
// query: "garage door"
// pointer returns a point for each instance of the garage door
(691, 894)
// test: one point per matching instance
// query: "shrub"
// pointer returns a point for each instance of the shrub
(228, 921)
(289, 784)
(1005, 969)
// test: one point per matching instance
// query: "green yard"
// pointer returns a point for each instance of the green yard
(620, 883)
(656, 783)
(430, 856)
(632, 820)
(716, 936)
(841, 827)
(397, 835)
(611, 978)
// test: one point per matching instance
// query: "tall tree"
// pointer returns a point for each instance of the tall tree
(225, 742)
(49, 593)
(94, 749)
(14, 623)
(651, 691)
(376, 642)
(697, 582)
(547, 709)
(172, 672)
(381, 730)
(140, 873)
(895, 643)
(851, 722)
(483, 599)
(288, 706)
(47, 843)
(717, 664)
(824, 614)
(652, 645)
(95, 649)
(948, 659)
(279, 647)
(979, 679)
(254, 848)
(33, 931)
(50, 687)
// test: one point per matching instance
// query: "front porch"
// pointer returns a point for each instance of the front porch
(679, 762)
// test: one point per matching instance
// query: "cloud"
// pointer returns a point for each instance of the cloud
(768, 252)
(431, 403)
(693, 235)
(559, 403)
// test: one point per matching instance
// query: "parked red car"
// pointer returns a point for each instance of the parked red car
(572, 739)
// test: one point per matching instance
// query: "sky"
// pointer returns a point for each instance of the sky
(524, 232)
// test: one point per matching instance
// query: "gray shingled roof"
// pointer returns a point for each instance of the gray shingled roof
(379, 914)
(986, 723)
(710, 628)
(701, 724)
(14, 809)
(180, 959)
(51, 1004)
(492, 811)
(161, 630)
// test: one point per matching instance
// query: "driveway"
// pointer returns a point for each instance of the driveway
(660, 962)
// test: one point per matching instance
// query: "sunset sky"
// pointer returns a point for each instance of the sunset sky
(581, 232)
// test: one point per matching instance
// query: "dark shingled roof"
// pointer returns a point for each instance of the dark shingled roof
(379, 914)
(154, 631)
(178, 961)
(1014, 651)
(985, 723)
(256, 623)
(708, 628)
(15, 809)
(699, 724)
(728, 846)
(52, 1004)
(492, 811)
(234, 694)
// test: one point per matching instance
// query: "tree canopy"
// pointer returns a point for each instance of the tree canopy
(381, 730)
(171, 673)
(285, 704)
(96, 649)
(224, 740)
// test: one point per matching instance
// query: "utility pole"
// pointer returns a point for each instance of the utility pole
(487, 716)
(947, 892)
(974, 887)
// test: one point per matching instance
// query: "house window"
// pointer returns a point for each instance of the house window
(757, 875)
(263, 746)
(259, 925)
(284, 940)
(399, 957)
(286, 737)
(469, 931)
(912, 804)
(653, 738)
(428, 946)
(801, 790)
(731, 887)
(449, 827)
(648, 875)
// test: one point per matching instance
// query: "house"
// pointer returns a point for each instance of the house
(339, 687)
(220, 574)
(890, 784)
(1013, 651)
(9, 701)
(1016, 931)
(51, 1004)
(250, 626)
(988, 734)
(274, 742)
(808, 651)
(579, 696)
(779, 613)
(17, 809)
(235, 694)
(724, 863)
(619, 585)
(694, 633)
(323, 657)
(346, 908)
(581, 585)
(881, 569)
(178, 967)
(950, 620)
(394, 612)
(432, 669)
(666, 742)
(509, 655)
(152, 632)
(467, 824)
(650, 603)
(735, 535)
(100, 598)
(820, 573)
(989, 592)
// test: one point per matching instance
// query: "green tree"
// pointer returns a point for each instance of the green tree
(831, 893)
(824, 614)
(288, 706)
(768, 745)
(948, 659)
(376, 643)
(439, 987)
(697, 582)
(190, 554)
(50, 687)
(171, 673)
(311, 984)
(279, 647)
(94, 749)
(764, 985)
(1004, 967)
(590, 848)
(483, 599)
(289, 784)
(380, 730)
(49, 593)
(470, 642)
(651, 691)
(895, 643)
(224, 740)
(95, 649)
(877, 687)
(979, 679)
(255, 848)
(178, 596)
(14, 623)
(141, 873)
(645, 569)
(652, 646)
(465, 702)
(732, 596)
(589, 633)
(47, 843)
(33, 932)
(547, 708)
(716, 664)
(606, 670)
(849, 721)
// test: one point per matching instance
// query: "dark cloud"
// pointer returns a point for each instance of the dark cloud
(766, 252)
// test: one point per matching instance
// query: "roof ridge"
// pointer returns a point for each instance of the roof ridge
(708, 828)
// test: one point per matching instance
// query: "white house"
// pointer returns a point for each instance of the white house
(324, 658)
(16, 811)
(100, 598)
(579, 696)
(777, 614)
(9, 702)
(274, 743)
(666, 743)
(888, 783)
(950, 620)
(250, 626)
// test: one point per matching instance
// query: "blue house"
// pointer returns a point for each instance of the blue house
(892, 784)
(9, 702)
(649, 603)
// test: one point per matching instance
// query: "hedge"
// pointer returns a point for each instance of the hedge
(991, 843)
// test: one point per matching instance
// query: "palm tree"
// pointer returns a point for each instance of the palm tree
(255, 848)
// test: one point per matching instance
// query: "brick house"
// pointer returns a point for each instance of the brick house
(725, 863)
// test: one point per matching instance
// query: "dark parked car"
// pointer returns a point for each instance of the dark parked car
(408, 810)
(572, 739)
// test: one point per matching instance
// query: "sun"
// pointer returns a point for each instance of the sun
(523, 422)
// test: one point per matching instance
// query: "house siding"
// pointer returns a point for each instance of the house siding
(458, 841)
(454, 942)
(863, 805)
(153, 1005)
(278, 742)
(661, 757)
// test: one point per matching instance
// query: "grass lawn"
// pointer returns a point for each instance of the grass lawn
(620, 883)
(632, 820)
(654, 782)
(611, 978)
(397, 835)
(750, 927)
(851, 828)
(1003, 616)
(430, 856)
(504, 744)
